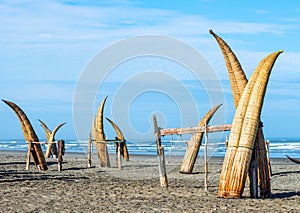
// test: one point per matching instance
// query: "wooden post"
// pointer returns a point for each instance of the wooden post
(59, 167)
(119, 156)
(117, 150)
(161, 156)
(28, 156)
(61, 152)
(89, 150)
(205, 158)
(267, 142)
(171, 143)
(192, 130)
(253, 174)
(226, 141)
(162, 167)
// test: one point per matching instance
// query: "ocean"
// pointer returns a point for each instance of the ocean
(278, 147)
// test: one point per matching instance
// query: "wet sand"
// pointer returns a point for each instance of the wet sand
(134, 189)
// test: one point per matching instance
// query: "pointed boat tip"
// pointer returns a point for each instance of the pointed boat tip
(293, 159)
(9, 103)
(5, 101)
(280, 51)
(211, 32)
(62, 124)
(217, 106)
(104, 100)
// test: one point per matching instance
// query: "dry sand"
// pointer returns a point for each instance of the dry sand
(134, 189)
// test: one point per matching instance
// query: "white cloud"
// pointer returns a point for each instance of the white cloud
(46, 25)
(53, 22)
(75, 31)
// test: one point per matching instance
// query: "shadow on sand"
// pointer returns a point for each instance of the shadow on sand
(285, 194)
(285, 173)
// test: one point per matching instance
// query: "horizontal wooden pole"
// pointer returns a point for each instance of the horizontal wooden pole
(107, 141)
(42, 142)
(191, 130)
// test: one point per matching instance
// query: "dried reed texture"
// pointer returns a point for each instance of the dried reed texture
(194, 144)
(234, 137)
(236, 74)
(99, 135)
(46, 129)
(48, 133)
(238, 82)
(249, 123)
(120, 136)
(30, 136)
(264, 179)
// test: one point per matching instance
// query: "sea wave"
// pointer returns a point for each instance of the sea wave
(277, 148)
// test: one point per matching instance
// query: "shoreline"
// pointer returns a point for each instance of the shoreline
(136, 188)
(274, 159)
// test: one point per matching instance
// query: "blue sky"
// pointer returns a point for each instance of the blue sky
(45, 45)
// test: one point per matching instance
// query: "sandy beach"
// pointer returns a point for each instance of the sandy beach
(134, 189)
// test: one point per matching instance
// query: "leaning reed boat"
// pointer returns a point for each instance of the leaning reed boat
(98, 132)
(238, 83)
(30, 136)
(244, 129)
(120, 137)
(194, 144)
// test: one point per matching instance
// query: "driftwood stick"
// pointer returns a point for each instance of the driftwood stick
(107, 141)
(28, 156)
(205, 159)
(191, 130)
(40, 142)
(162, 167)
(161, 156)
(226, 141)
(119, 157)
(267, 143)
(61, 152)
(170, 154)
(90, 150)
(253, 174)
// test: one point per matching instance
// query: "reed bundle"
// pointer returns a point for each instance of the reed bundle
(48, 134)
(236, 74)
(244, 129)
(99, 135)
(238, 82)
(30, 136)
(264, 179)
(194, 144)
(51, 149)
(120, 137)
